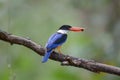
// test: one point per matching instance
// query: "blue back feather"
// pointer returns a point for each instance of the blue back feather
(54, 41)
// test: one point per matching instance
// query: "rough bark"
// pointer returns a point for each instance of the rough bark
(65, 60)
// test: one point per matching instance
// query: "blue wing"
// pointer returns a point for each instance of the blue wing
(54, 41)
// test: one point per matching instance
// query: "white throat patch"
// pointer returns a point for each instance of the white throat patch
(63, 31)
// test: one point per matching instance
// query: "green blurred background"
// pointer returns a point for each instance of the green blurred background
(38, 19)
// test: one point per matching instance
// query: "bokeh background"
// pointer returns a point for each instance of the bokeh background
(38, 19)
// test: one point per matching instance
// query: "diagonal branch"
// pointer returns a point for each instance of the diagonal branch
(65, 60)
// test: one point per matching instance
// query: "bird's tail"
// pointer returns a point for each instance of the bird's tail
(46, 56)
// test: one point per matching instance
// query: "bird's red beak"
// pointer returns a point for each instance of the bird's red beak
(77, 29)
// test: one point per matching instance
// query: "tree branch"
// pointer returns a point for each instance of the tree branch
(65, 60)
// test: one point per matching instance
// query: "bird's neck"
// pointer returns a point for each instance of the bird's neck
(62, 31)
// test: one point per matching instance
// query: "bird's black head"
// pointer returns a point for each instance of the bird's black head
(65, 27)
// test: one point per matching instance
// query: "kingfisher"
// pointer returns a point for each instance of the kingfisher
(57, 39)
